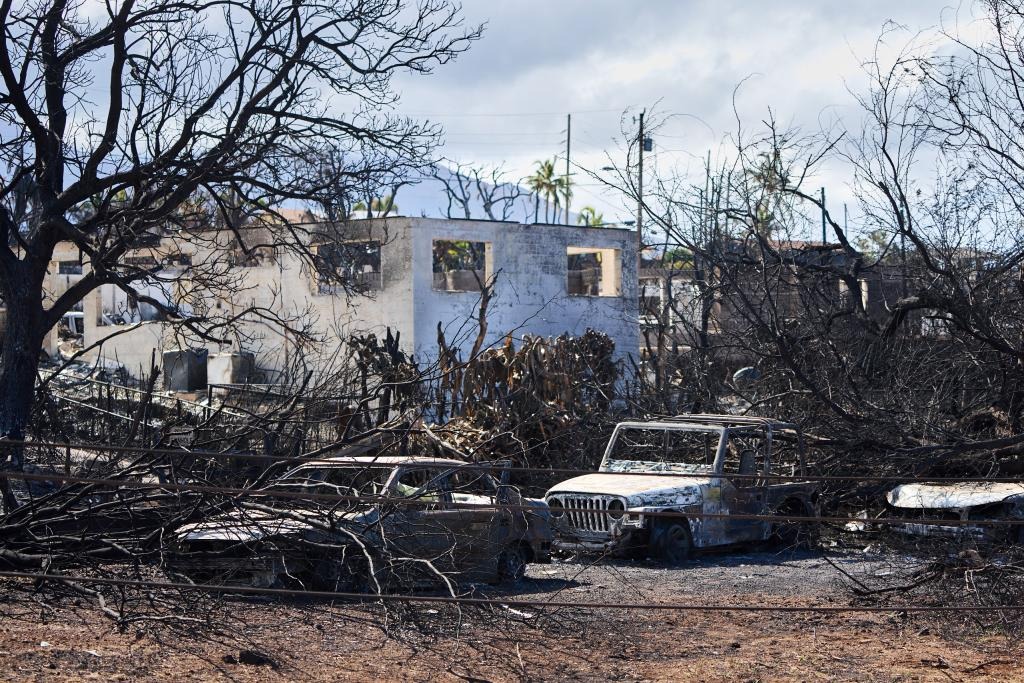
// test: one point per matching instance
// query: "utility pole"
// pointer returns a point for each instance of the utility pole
(640, 183)
(824, 229)
(568, 149)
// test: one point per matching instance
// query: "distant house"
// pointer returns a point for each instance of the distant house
(671, 305)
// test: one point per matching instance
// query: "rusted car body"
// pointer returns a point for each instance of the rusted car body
(714, 465)
(963, 503)
(348, 523)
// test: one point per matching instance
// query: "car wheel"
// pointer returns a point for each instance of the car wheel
(675, 543)
(512, 564)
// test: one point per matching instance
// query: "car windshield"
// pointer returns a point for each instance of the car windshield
(343, 480)
(660, 449)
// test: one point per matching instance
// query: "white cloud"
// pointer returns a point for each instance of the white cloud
(600, 57)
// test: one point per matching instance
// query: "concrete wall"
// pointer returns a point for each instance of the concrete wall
(129, 345)
(528, 262)
(55, 285)
(290, 290)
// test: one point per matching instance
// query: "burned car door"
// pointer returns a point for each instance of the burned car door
(412, 528)
(455, 537)
(743, 486)
(486, 524)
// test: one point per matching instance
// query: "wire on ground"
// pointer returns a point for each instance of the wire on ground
(497, 466)
(498, 602)
(452, 505)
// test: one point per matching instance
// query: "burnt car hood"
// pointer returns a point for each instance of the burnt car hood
(637, 488)
(243, 526)
(952, 496)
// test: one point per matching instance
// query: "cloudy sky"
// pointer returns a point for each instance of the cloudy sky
(506, 100)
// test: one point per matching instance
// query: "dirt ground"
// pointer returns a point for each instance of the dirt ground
(46, 637)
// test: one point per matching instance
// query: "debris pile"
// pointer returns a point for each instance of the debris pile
(543, 402)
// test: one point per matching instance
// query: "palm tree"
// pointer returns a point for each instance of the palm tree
(544, 182)
(590, 216)
(563, 188)
(535, 184)
(769, 178)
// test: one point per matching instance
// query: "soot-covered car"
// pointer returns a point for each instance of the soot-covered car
(353, 523)
(967, 508)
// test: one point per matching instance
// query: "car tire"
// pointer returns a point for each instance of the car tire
(512, 563)
(675, 543)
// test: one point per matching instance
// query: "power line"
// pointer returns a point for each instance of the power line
(424, 501)
(322, 455)
(508, 114)
(505, 133)
(497, 602)
(510, 144)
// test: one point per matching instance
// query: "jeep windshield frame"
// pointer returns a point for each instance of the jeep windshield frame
(773, 432)
(719, 434)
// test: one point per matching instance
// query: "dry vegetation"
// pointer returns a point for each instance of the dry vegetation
(920, 375)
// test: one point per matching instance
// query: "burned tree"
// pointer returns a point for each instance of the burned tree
(458, 191)
(497, 195)
(466, 184)
(353, 179)
(911, 348)
(198, 101)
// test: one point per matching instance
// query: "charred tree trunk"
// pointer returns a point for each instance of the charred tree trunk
(19, 363)
(19, 353)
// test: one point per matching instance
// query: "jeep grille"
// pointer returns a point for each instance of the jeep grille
(586, 513)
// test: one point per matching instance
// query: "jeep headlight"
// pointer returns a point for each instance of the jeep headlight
(616, 510)
(556, 508)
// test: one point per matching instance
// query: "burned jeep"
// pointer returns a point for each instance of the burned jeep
(356, 523)
(715, 465)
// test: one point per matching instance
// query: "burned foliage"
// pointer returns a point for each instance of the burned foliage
(252, 477)
(547, 403)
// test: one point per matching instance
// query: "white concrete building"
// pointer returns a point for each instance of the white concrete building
(417, 273)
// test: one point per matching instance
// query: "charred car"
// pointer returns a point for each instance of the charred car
(968, 506)
(718, 466)
(353, 523)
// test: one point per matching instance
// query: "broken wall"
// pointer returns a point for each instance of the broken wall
(528, 264)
